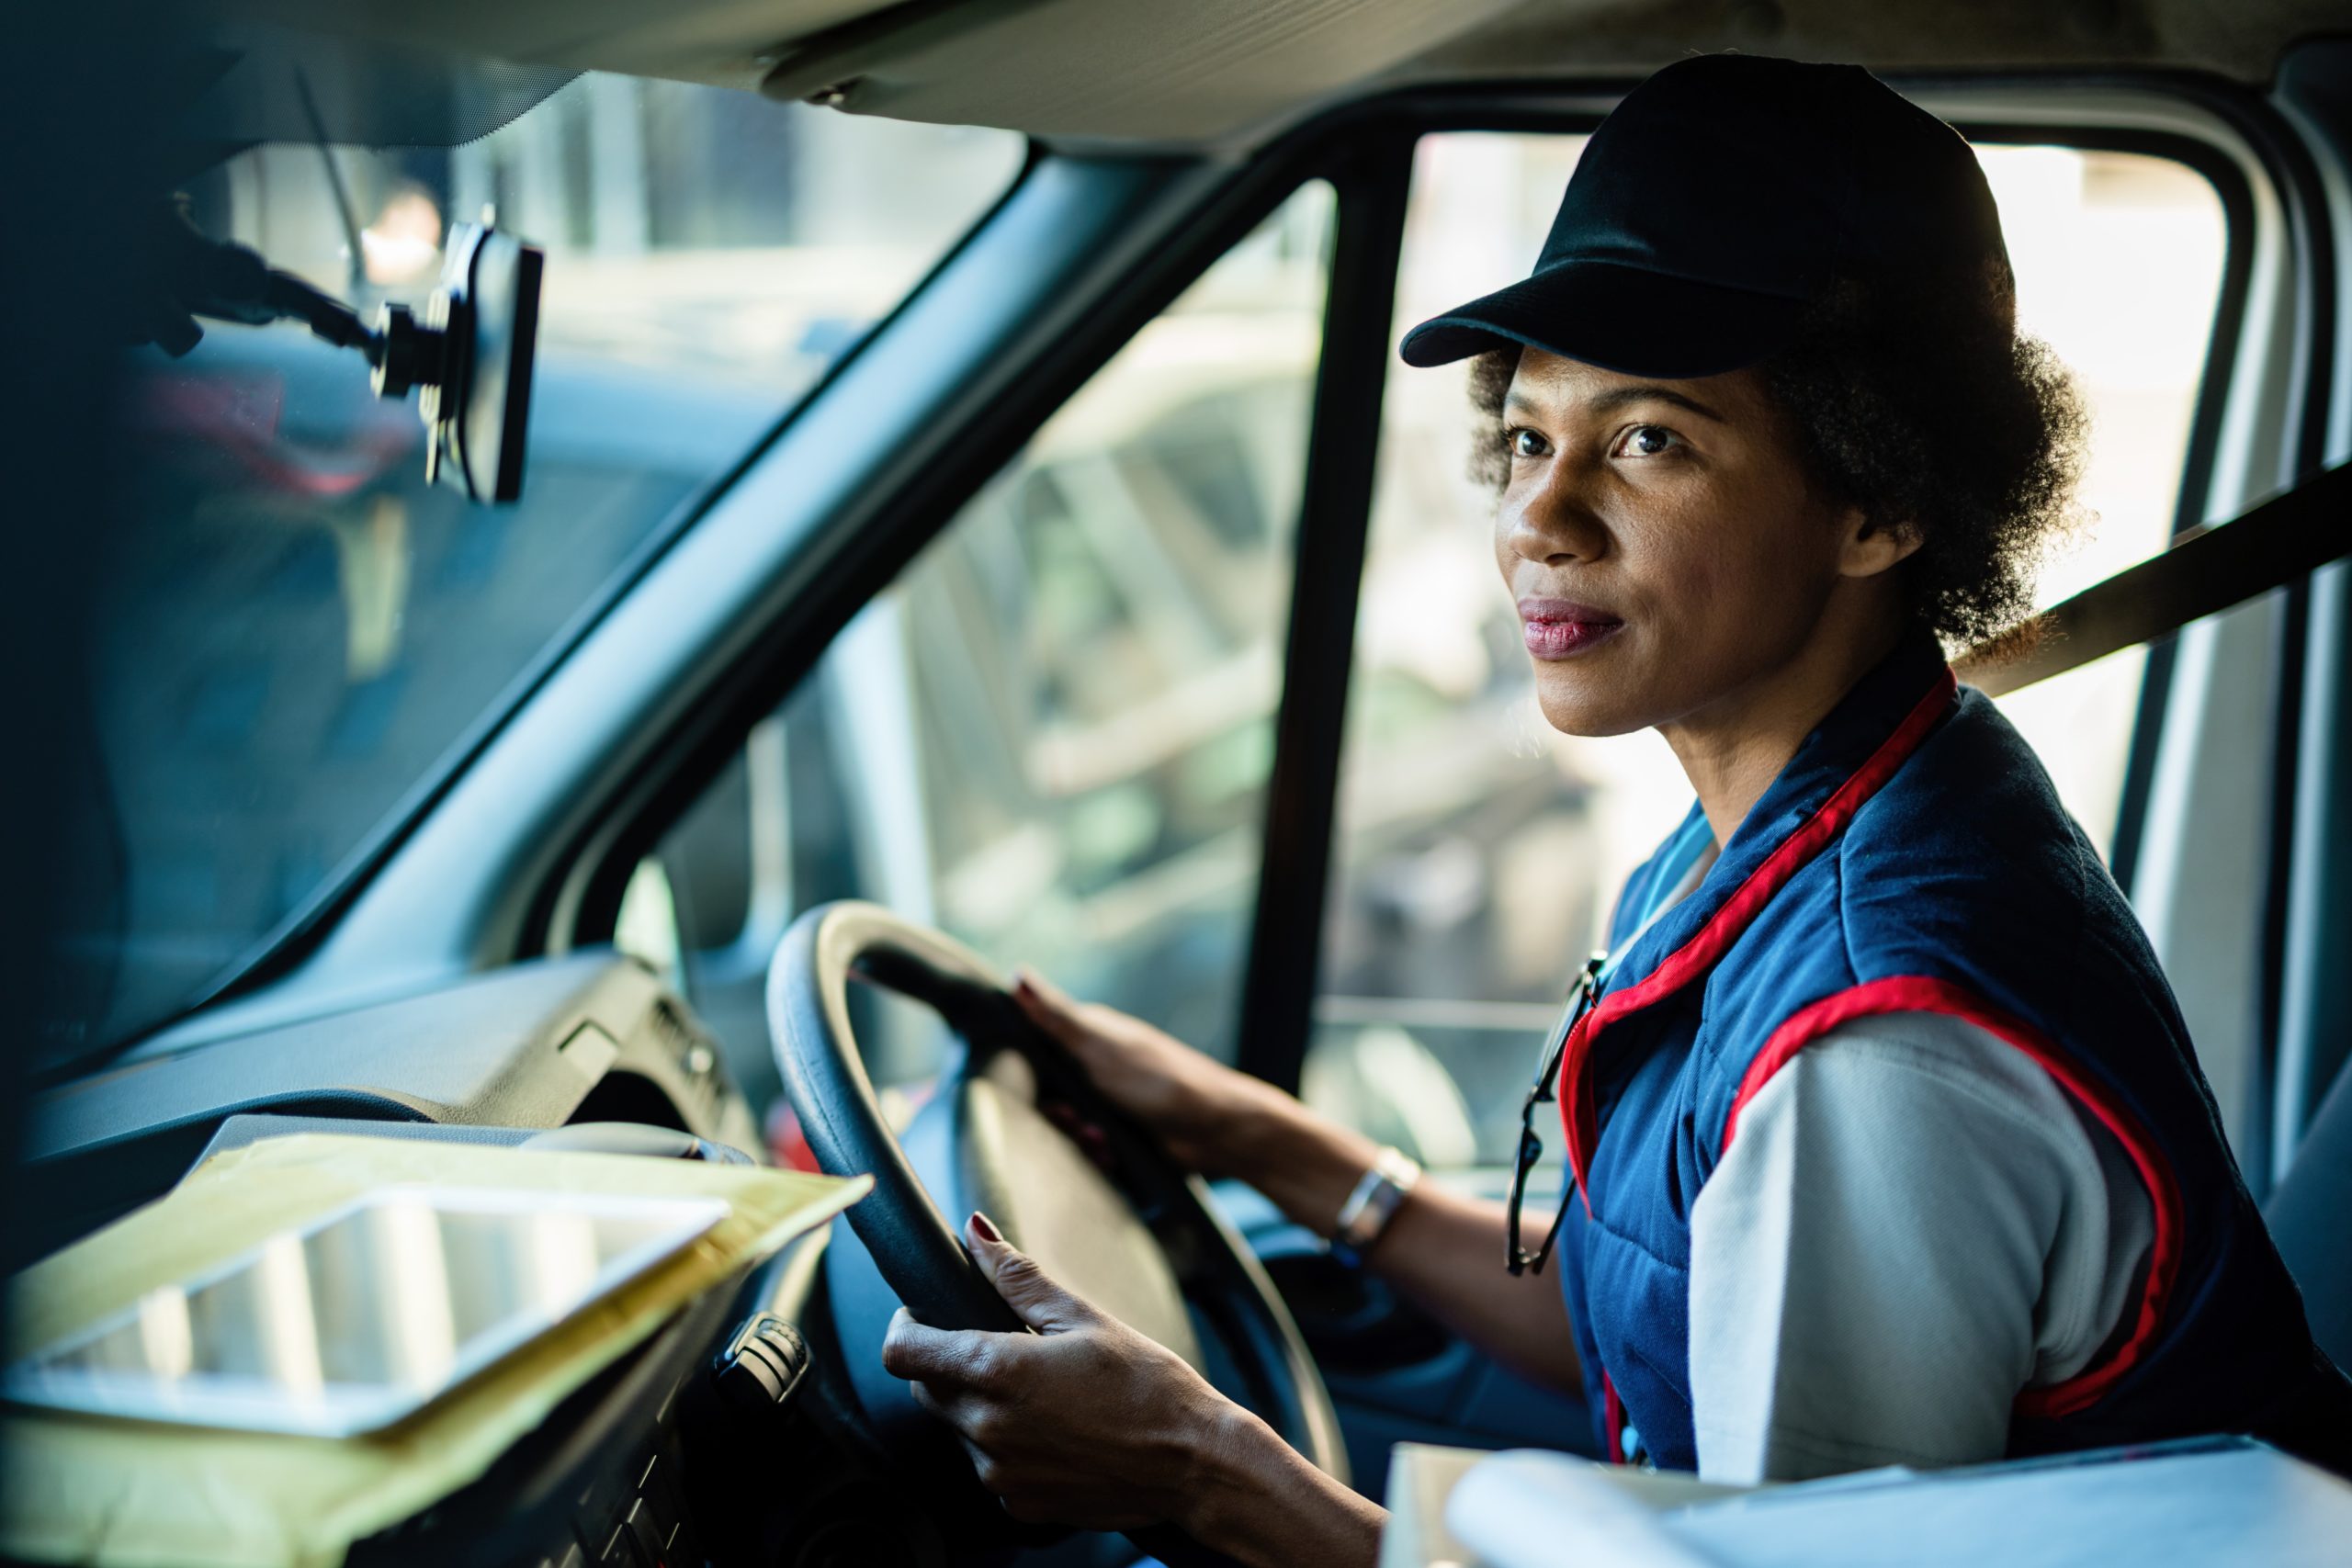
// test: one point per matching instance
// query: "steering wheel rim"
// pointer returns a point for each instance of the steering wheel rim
(912, 1244)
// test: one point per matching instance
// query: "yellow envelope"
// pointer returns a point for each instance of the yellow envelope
(146, 1494)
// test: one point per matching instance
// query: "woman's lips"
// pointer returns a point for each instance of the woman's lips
(1561, 628)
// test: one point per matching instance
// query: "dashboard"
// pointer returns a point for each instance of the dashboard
(592, 1037)
(708, 1441)
(665, 1460)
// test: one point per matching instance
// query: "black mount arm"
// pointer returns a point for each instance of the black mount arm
(470, 354)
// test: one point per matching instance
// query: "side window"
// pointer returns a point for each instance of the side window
(1477, 851)
(1052, 735)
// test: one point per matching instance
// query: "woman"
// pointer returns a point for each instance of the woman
(1886, 1139)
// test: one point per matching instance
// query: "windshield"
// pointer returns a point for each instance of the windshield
(298, 632)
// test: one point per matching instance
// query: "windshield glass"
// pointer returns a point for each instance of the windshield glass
(300, 631)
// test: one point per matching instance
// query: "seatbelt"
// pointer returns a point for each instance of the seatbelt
(2207, 570)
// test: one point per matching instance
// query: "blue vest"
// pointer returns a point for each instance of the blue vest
(1912, 856)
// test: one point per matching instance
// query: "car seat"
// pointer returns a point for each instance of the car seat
(2307, 1214)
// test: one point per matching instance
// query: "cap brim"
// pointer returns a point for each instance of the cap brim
(1619, 318)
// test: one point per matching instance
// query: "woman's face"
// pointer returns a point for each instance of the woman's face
(1661, 540)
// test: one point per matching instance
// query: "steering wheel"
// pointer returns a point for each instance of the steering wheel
(1135, 1234)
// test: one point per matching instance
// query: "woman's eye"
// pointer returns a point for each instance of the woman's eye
(1525, 442)
(1646, 441)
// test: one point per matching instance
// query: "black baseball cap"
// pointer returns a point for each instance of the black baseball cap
(1719, 201)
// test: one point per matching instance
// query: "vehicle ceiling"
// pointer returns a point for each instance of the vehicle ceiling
(1225, 72)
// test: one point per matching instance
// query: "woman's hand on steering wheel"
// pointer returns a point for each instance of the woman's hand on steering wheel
(1210, 1118)
(1085, 1422)
(1078, 1415)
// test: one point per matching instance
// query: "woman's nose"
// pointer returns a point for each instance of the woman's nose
(1554, 520)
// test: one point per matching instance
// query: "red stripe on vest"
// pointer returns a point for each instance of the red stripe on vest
(1919, 994)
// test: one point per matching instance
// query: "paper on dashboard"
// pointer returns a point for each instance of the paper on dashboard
(140, 1494)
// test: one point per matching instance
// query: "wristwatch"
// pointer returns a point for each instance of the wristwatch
(1372, 1204)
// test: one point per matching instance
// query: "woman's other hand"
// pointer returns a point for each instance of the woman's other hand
(1210, 1117)
(1085, 1422)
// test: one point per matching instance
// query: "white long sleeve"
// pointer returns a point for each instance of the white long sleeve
(1913, 1224)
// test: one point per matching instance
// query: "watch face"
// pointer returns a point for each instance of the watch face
(1377, 1197)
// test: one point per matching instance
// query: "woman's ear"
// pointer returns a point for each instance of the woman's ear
(1869, 549)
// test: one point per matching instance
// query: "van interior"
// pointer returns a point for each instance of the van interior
(974, 515)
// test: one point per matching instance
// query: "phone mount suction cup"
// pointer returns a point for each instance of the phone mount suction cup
(469, 356)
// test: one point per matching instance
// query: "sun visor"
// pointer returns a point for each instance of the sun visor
(260, 83)
(1128, 71)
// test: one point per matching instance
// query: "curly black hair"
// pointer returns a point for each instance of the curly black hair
(1920, 404)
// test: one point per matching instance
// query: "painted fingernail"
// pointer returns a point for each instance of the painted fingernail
(984, 1227)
